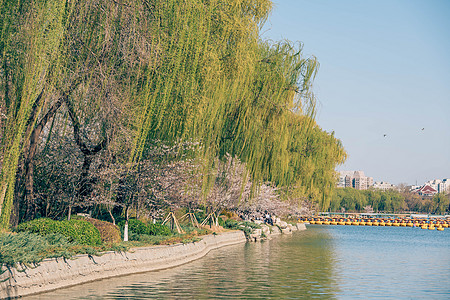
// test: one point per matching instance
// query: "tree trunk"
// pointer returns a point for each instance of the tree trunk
(88, 152)
(137, 209)
(25, 189)
(27, 198)
(85, 183)
(20, 188)
(47, 207)
(111, 215)
(125, 230)
(70, 212)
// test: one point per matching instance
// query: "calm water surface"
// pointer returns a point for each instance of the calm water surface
(326, 262)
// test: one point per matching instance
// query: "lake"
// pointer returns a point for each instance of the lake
(324, 262)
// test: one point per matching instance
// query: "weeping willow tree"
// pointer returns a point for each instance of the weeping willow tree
(87, 57)
(238, 95)
(129, 73)
(30, 37)
(320, 153)
(223, 86)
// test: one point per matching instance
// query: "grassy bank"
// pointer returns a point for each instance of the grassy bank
(32, 242)
(37, 240)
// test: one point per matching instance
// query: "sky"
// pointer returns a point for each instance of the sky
(384, 70)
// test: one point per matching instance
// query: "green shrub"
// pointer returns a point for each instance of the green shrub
(137, 227)
(41, 226)
(109, 232)
(231, 224)
(26, 248)
(191, 240)
(151, 239)
(158, 229)
(134, 226)
(80, 231)
(246, 226)
(221, 221)
(200, 215)
(20, 248)
(250, 224)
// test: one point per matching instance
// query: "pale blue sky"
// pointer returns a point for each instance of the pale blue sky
(384, 69)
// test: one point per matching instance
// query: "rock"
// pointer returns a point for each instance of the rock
(286, 231)
(265, 230)
(282, 224)
(301, 226)
(274, 230)
(257, 232)
(255, 235)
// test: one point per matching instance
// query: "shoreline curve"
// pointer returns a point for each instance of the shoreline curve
(56, 273)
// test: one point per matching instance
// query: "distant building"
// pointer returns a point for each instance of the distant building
(441, 186)
(355, 179)
(444, 187)
(426, 191)
(384, 186)
(414, 188)
(342, 175)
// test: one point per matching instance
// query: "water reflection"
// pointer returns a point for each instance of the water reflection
(297, 266)
(326, 262)
(303, 265)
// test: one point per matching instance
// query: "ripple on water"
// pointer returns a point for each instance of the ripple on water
(324, 262)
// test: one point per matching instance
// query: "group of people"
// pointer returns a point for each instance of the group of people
(262, 218)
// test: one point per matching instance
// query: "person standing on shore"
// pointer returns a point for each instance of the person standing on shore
(268, 219)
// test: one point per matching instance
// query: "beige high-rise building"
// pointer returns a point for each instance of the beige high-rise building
(358, 181)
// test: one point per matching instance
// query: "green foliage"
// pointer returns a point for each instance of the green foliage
(41, 226)
(441, 203)
(250, 225)
(231, 224)
(137, 227)
(189, 229)
(146, 239)
(191, 240)
(27, 248)
(134, 226)
(30, 37)
(221, 221)
(355, 200)
(246, 226)
(79, 231)
(158, 229)
(172, 71)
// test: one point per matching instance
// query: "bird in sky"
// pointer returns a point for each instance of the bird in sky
(385, 135)
(423, 128)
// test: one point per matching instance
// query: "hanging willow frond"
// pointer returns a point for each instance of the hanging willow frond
(167, 70)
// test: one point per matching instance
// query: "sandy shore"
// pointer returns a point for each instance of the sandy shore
(53, 274)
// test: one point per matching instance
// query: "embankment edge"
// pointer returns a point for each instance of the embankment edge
(53, 274)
